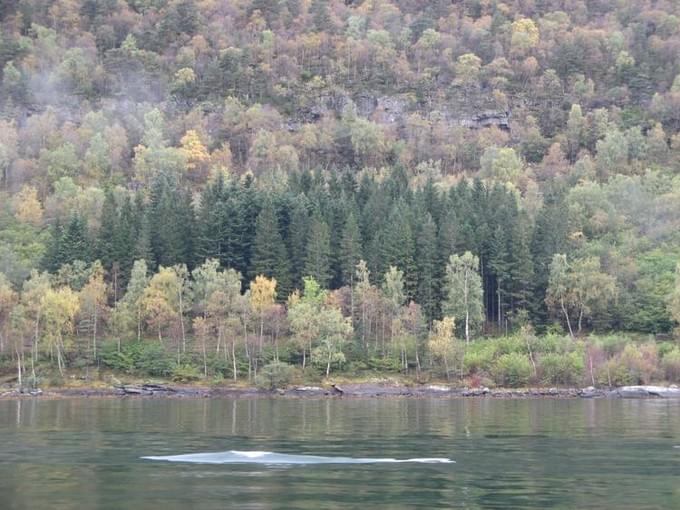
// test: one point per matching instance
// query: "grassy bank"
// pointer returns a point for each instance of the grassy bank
(509, 362)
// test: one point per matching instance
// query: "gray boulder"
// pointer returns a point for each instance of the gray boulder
(648, 392)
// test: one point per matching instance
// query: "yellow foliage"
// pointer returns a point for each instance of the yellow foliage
(27, 207)
(185, 76)
(194, 150)
(262, 292)
(441, 341)
(525, 35)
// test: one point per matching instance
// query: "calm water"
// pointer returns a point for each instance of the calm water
(576, 454)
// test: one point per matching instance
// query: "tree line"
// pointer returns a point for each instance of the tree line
(321, 267)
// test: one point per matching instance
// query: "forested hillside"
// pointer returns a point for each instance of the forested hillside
(204, 187)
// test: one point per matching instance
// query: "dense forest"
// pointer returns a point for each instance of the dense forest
(479, 189)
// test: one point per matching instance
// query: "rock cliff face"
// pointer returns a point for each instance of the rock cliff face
(472, 112)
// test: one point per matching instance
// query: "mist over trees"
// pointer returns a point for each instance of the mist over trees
(331, 182)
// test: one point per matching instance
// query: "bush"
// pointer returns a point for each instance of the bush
(510, 345)
(512, 370)
(552, 343)
(153, 360)
(138, 357)
(641, 361)
(479, 357)
(611, 344)
(565, 368)
(614, 373)
(387, 364)
(123, 361)
(636, 364)
(219, 366)
(671, 365)
(275, 375)
(185, 373)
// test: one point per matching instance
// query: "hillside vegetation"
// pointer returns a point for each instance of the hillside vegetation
(476, 188)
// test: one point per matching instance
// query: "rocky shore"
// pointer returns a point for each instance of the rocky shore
(353, 390)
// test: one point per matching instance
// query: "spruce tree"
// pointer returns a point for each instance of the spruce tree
(298, 233)
(142, 248)
(398, 247)
(75, 242)
(317, 260)
(448, 236)
(171, 224)
(232, 215)
(350, 249)
(498, 264)
(105, 245)
(211, 223)
(248, 204)
(549, 237)
(124, 238)
(427, 263)
(522, 267)
(269, 251)
(52, 258)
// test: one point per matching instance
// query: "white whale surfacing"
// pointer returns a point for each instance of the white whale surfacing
(272, 458)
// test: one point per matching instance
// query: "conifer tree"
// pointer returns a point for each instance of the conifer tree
(105, 248)
(549, 237)
(142, 248)
(269, 251)
(298, 233)
(498, 264)
(521, 267)
(124, 238)
(350, 249)
(212, 222)
(75, 241)
(397, 247)
(317, 260)
(52, 258)
(248, 207)
(427, 260)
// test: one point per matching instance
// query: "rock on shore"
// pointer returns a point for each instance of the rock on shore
(648, 392)
(350, 390)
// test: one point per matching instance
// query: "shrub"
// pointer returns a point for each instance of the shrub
(614, 373)
(636, 364)
(275, 375)
(219, 366)
(511, 345)
(479, 357)
(611, 344)
(671, 365)
(153, 360)
(387, 364)
(552, 343)
(512, 370)
(564, 368)
(138, 357)
(185, 373)
(121, 361)
(641, 361)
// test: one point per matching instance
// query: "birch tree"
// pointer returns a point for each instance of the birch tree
(463, 297)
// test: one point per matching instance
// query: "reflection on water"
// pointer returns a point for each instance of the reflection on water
(286, 459)
(596, 454)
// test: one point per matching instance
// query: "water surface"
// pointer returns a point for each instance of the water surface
(586, 454)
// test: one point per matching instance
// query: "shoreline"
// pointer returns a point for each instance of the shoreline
(351, 391)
